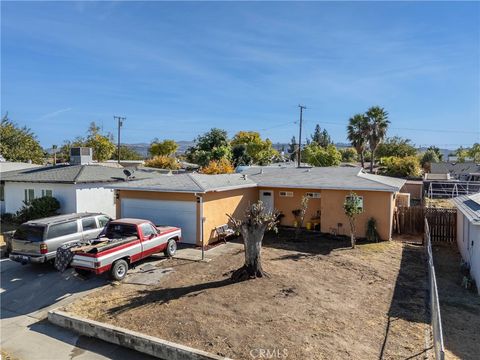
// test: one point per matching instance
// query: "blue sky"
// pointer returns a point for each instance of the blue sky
(177, 69)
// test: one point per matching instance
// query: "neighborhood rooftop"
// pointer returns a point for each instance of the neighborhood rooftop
(71, 174)
(469, 205)
(337, 178)
(190, 183)
(341, 178)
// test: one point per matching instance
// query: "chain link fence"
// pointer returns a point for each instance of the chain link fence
(436, 319)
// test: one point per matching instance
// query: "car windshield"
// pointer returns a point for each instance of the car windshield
(114, 231)
(32, 233)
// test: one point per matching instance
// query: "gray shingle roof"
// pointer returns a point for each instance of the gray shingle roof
(190, 182)
(344, 178)
(71, 174)
(469, 205)
(8, 166)
(454, 169)
(338, 178)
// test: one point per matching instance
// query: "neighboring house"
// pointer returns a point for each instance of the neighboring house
(184, 199)
(468, 232)
(415, 189)
(5, 167)
(455, 170)
(78, 188)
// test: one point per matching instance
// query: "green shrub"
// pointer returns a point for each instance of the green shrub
(401, 167)
(38, 208)
(349, 155)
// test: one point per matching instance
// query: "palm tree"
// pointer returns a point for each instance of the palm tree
(357, 131)
(378, 122)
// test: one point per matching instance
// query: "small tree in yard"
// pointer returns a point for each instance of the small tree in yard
(352, 207)
(257, 220)
(300, 215)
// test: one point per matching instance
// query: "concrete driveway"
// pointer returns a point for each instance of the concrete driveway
(27, 294)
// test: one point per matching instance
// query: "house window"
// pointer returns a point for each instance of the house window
(29, 195)
(286, 193)
(313, 195)
(48, 193)
(360, 198)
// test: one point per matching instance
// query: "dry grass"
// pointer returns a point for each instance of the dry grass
(439, 203)
(322, 301)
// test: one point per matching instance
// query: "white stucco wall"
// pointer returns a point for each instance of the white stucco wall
(15, 194)
(95, 198)
(468, 240)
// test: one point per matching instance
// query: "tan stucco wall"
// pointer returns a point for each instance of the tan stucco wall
(376, 204)
(217, 204)
(287, 204)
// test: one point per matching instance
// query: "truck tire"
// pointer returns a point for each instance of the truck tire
(171, 248)
(119, 270)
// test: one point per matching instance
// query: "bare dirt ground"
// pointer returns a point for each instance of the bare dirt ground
(322, 301)
(459, 307)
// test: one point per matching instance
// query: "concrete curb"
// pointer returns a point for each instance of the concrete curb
(131, 339)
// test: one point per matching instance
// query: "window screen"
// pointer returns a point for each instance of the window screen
(29, 195)
(48, 193)
(89, 224)
(63, 229)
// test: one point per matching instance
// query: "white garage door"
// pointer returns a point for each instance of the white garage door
(162, 212)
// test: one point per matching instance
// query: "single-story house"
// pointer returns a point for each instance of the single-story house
(185, 199)
(468, 232)
(78, 188)
(8, 166)
(455, 170)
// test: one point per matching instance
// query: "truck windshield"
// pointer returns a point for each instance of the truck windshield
(32, 233)
(114, 231)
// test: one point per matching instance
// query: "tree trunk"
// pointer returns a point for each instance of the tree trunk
(372, 161)
(362, 159)
(252, 241)
(352, 233)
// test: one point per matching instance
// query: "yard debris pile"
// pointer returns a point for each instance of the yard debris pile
(66, 252)
(323, 300)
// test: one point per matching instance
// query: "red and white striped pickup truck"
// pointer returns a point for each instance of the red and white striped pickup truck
(122, 243)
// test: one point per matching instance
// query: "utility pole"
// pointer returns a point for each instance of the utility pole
(54, 147)
(120, 120)
(299, 154)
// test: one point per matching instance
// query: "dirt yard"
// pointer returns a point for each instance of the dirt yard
(459, 308)
(322, 301)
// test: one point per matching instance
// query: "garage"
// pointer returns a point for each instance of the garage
(182, 214)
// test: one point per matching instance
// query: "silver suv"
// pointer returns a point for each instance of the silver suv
(37, 241)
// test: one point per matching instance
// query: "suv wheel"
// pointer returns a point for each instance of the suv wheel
(171, 248)
(119, 270)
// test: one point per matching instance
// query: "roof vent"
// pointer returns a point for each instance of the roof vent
(244, 176)
(261, 171)
(81, 155)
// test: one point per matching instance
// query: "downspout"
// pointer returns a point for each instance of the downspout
(200, 202)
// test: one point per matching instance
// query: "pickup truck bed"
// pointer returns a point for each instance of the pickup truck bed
(106, 254)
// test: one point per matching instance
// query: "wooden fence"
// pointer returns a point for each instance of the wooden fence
(443, 222)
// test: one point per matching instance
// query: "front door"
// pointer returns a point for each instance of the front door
(266, 196)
